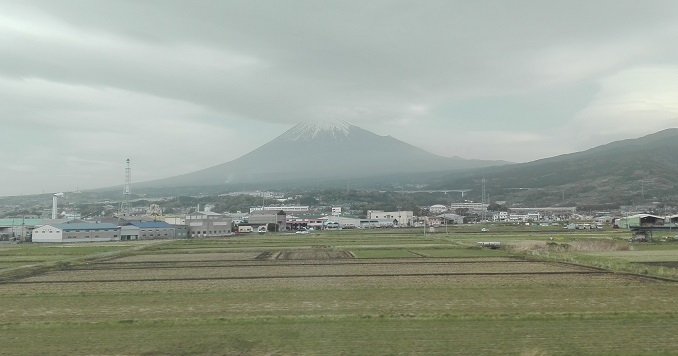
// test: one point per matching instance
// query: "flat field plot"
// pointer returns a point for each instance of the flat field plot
(668, 255)
(333, 294)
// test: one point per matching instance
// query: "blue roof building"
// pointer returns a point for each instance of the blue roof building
(150, 224)
(76, 232)
(147, 230)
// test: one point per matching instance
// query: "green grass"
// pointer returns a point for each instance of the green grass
(354, 335)
(460, 252)
(642, 255)
(382, 253)
(365, 306)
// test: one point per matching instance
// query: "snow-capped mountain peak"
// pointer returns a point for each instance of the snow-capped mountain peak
(309, 130)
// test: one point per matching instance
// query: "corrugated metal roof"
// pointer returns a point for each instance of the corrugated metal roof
(20, 221)
(150, 224)
(268, 212)
(304, 216)
(206, 213)
(85, 226)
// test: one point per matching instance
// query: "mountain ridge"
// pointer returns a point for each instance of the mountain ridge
(620, 172)
(310, 150)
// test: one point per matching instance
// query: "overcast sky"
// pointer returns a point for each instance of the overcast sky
(178, 86)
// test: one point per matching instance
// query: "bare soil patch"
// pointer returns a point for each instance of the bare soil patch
(669, 264)
(314, 254)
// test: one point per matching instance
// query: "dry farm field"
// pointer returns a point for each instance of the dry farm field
(343, 292)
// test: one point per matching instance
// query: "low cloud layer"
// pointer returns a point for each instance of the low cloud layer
(178, 86)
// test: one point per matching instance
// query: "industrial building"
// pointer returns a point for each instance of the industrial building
(266, 217)
(18, 228)
(469, 206)
(76, 232)
(398, 218)
(449, 219)
(286, 208)
(207, 224)
(296, 222)
(437, 209)
(147, 230)
(640, 220)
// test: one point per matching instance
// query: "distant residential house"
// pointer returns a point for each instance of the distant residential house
(76, 232)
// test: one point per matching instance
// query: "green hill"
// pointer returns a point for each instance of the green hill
(628, 172)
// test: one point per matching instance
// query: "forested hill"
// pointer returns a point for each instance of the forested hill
(626, 172)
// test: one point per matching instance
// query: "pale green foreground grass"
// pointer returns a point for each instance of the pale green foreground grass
(319, 307)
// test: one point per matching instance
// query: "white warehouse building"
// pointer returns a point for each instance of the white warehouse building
(404, 217)
(76, 232)
(437, 209)
(469, 206)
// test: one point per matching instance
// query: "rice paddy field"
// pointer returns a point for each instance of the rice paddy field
(395, 291)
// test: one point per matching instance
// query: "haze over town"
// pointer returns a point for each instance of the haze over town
(181, 86)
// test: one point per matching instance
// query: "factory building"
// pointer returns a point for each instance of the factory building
(469, 206)
(147, 230)
(398, 218)
(437, 209)
(266, 217)
(76, 232)
(207, 224)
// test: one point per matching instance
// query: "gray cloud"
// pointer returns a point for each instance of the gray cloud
(118, 73)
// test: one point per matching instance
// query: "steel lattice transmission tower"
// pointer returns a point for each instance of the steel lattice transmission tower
(482, 191)
(483, 198)
(126, 191)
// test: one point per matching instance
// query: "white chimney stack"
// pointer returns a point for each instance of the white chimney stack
(54, 204)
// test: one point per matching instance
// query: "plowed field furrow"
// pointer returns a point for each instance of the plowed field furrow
(316, 276)
(215, 264)
(572, 283)
(151, 259)
(305, 270)
(175, 257)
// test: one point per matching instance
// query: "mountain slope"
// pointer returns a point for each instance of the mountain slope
(623, 172)
(322, 150)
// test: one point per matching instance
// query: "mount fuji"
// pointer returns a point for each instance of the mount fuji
(317, 151)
